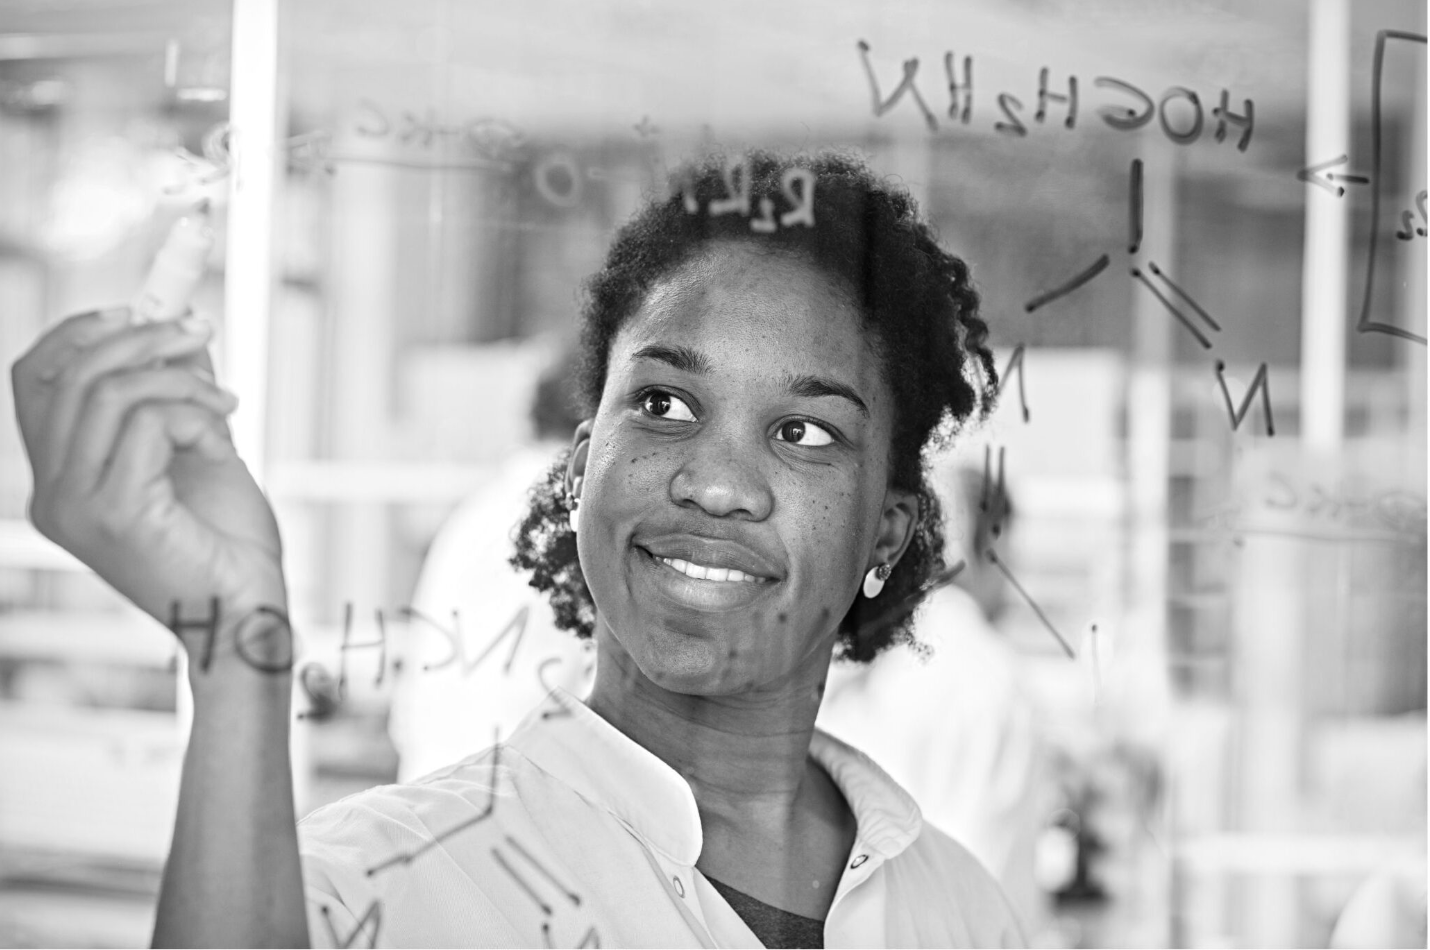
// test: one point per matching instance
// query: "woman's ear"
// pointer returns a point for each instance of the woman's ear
(580, 450)
(896, 527)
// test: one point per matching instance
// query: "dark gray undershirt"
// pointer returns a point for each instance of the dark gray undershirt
(774, 927)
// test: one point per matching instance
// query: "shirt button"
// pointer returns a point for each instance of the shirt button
(679, 887)
(859, 860)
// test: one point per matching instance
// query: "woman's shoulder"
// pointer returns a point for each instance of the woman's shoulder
(967, 885)
(461, 791)
(959, 863)
(393, 857)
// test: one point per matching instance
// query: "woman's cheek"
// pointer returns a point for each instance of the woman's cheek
(606, 482)
(644, 473)
(829, 519)
(624, 464)
(602, 455)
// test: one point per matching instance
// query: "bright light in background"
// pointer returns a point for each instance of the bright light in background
(111, 187)
(103, 194)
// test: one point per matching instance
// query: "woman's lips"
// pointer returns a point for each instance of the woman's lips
(704, 572)
(680, 588)
(709, 553)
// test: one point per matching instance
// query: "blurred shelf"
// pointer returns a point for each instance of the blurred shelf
(131, 735)
(377, 482)
(87, 637)
(1072, 498)
(1297, 854)
(31, 46)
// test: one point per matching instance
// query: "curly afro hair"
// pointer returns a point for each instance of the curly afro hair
(919, 310)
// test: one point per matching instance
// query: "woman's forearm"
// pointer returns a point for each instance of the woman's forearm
(233, 877)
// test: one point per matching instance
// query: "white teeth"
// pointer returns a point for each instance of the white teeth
(701, 572)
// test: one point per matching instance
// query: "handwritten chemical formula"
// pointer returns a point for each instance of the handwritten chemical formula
(1179, 110)
(1183, 120)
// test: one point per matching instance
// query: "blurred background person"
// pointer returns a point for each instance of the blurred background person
(450, 701)
(958, 730)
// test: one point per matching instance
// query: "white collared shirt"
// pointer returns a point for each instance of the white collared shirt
(591, 840)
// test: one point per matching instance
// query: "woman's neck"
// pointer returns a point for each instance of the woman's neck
(774, 825)
(745, 756)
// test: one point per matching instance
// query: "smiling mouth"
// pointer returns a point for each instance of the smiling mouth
(718, 574)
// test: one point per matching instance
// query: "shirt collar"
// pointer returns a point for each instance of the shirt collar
(613, 772)
(888, 817)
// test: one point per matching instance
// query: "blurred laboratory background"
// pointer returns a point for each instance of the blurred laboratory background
(1212, 449)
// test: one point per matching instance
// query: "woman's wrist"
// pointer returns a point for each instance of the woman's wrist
(249, 646)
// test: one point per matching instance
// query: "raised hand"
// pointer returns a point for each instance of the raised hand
(135, 472)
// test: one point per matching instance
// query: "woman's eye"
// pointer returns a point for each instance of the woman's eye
(803, 433)
(665, 406)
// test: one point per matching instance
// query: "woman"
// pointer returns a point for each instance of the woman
(745, 496)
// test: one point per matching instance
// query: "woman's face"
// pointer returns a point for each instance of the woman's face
(735, 489)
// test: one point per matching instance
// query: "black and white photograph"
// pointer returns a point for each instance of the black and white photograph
(740, 473)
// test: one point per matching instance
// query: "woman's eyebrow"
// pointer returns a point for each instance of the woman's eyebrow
(681, 357)
(822, 386)
(693, 361)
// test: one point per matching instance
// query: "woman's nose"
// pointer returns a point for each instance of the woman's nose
(722, 479)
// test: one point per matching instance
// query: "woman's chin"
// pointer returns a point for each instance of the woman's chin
(690, 667)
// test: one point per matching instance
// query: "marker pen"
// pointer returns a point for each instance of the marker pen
(177, 269)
